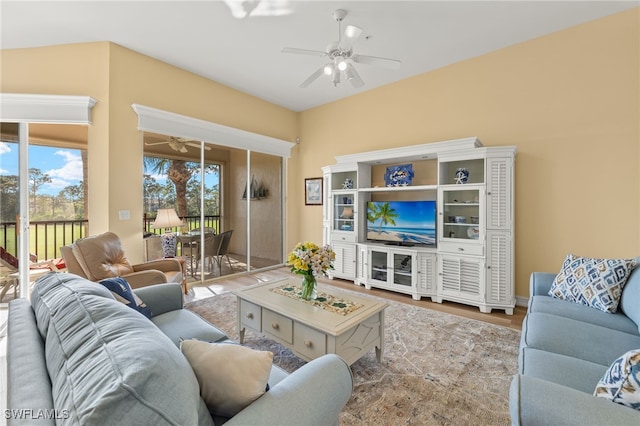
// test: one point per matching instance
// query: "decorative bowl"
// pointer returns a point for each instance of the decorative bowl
(460, 219)
(475, 220)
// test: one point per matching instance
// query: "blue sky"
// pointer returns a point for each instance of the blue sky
(64, 166)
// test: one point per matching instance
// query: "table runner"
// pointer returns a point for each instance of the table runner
(324, 300)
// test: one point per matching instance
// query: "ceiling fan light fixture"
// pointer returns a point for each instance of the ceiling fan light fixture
(351, 31)
(328, 69)
(348, 74)
(336, 79)
(341, 64)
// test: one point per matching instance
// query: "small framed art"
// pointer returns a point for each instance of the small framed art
(313, 191)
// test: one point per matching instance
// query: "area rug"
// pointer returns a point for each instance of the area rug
(438, 369)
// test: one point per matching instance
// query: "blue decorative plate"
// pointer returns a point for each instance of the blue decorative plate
(400, 175)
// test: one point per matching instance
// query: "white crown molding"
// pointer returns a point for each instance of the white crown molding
(32, 108)
(172, 124)
(410, 153)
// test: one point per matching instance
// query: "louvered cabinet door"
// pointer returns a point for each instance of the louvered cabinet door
(461, 278)
(345, 262)
(500, 268)
(361, 261)
(499, 193)
(427, 282)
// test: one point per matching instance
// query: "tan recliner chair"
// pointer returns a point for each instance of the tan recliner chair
(101, 256)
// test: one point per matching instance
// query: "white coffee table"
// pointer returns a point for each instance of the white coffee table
(312, 331)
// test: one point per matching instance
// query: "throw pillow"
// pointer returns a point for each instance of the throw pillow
(596, 283)
(121, 290)
(230, 376)
(621, 382)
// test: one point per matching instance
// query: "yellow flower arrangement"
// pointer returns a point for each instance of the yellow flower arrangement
(310, 259)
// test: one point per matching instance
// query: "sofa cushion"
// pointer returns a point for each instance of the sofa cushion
(106, 361)
(576, 339)
(549, 305)
(630, 300)
(533, 401)
(230, 376)
(122, 292)
(184, 324)
(562, 369)
(597, 283)
(621, 382)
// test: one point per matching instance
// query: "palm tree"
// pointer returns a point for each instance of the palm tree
(386, 214)
(178, 173)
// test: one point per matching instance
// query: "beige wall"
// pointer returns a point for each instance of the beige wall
(569, 101)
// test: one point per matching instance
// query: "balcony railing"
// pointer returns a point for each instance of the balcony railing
(46, 237)
(191, 223)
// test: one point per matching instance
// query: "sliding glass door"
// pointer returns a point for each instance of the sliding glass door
(265, 210)
(248, 195)
(14, 210)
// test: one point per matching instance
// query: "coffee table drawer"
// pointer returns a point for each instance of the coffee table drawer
(277, 325)
(309, 342)
(251, 315)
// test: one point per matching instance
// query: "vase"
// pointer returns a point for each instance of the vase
(309, 287)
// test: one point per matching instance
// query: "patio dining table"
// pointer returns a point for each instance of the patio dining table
(188, 242)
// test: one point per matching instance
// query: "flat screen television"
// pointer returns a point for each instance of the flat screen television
(406, 223)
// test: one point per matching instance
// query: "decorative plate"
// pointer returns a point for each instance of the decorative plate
(400, 175)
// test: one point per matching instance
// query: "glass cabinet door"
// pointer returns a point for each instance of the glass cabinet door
(402, 269)
(461, 217)
(344, 212)
(378, 265)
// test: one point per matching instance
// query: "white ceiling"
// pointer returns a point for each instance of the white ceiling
(203, 37)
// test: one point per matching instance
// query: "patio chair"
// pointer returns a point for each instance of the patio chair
(224, 248)
(212, 244)
(102, 256)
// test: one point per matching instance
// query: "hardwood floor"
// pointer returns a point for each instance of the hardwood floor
(225, 284)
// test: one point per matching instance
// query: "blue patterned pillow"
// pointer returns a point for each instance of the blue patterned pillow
(621, 382)
(596, 283)
(121, 290)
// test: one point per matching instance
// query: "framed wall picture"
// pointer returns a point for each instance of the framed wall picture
(313, 191)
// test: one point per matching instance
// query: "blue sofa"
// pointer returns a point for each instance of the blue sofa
(565, 350)
(77, 356)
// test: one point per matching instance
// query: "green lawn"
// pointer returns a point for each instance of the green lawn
(45, 238)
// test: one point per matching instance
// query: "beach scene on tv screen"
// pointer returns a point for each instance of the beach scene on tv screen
(402, 222)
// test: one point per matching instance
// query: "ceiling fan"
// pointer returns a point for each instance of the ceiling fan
(179, 144)
(342, 57)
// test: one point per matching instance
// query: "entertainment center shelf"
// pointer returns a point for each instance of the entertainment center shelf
(400, 188)
(432, 220)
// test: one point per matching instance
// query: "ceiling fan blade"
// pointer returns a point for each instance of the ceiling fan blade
(297, 51)
(312, 77)
(183, 149)
(353, 77)
(156, 143)
(197, 145)
(392, 64)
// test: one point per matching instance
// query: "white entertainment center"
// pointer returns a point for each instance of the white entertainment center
(471, 258)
